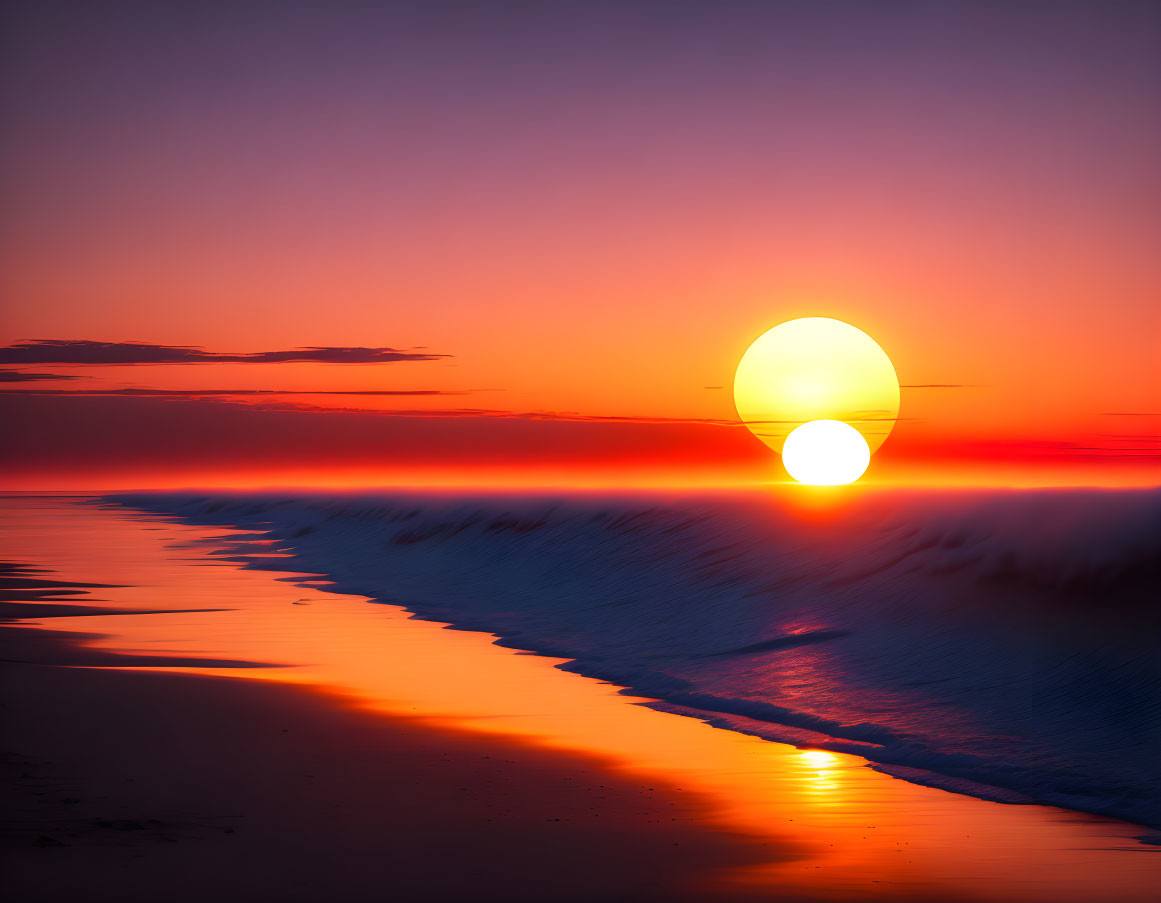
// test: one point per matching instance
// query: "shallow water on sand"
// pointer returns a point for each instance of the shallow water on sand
(859, 833)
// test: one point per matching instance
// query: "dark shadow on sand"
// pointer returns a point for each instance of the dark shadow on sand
(135, 786)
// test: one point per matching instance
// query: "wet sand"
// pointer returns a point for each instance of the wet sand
(337, 750)
(135, 786)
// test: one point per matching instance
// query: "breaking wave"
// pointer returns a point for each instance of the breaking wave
(1002, 644)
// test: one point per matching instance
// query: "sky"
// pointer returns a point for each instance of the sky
(536, 238)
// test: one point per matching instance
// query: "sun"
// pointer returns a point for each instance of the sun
(818, 370)
(826, 453)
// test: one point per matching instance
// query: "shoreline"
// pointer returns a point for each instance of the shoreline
(754, 819)
(372, 531)
(129, 785)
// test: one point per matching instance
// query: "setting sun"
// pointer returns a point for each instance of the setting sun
(816, 368)
(826, 453)
(825, 384)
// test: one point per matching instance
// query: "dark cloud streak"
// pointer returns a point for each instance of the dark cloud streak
(554, 416)
(20, 376)
(201, 393)
(58, 351)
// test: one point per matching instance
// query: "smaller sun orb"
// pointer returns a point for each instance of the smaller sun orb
(826, 453)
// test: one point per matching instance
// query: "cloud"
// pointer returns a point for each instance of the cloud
(1029, 450)
(202, 393)
(57, 351)
(493, 413)
(274, 405)
(20, 376)
(230, 395)
(476, 413)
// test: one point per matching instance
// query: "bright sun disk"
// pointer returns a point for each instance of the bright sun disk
(826, 453)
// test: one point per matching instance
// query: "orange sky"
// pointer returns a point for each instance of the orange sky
(592, 213)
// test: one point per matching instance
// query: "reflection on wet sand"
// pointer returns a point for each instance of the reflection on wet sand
(820, 772)
(859, 829)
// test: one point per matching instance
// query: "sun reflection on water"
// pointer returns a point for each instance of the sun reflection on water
(819, 767)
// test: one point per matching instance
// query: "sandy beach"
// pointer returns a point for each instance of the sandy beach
(177, 727)
(124, 784)
(144, 786)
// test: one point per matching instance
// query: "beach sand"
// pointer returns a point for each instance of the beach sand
(131, 785)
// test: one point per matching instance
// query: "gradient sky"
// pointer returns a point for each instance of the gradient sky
(580, 215)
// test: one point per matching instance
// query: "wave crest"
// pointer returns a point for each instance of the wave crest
(998, 639)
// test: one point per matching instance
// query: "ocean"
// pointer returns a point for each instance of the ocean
(1000, 643)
